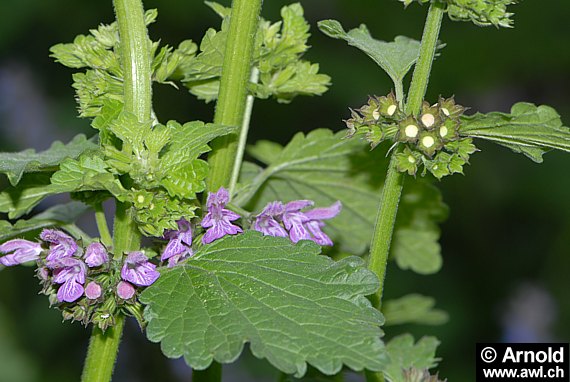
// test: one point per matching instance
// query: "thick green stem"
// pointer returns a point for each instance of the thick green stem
(231, 106)
(102, 353)
(386, 218)
(136, 62)
(102, 226)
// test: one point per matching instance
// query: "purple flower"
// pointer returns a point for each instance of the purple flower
(299, 225)
(138, 270)
(61, 245)
(315, 224)
(125, 290)
(295, 220)
(22, 252)
(93, 291)
(268, 221)
(218, 219)
(71, 273)
(179, 246)
(96, 255)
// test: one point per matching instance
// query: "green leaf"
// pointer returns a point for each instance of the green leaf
(415, 243)
(89, 173)
(322, 167)
(14, 165)
(292, 305)
(404, 354)
(55, 216)
(395, 58)
(529, 129)
(413, 309)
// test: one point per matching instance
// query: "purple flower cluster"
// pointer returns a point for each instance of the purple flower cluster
(69, 265)
(278, 219)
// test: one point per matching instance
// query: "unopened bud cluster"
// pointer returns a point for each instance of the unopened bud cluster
(431, 139)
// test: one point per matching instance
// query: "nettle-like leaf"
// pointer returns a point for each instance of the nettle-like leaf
(529, 129)
(14, 165)
(480, 12)
(55, 216)
(99, 53)
(404, 354)
(415, 243)
(292, 305)
(413, 309)
(277, 58)
(323, 167)
(396, 58)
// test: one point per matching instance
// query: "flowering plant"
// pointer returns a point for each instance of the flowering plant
(288, 253)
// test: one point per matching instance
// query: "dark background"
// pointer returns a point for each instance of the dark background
(505, 246)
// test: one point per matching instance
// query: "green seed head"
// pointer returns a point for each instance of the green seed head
(429, 142)
(409, 130)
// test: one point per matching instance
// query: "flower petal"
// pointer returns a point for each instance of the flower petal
(96, 255)
(70, 291)
(298, 205)
(324, 212)
(319, 236)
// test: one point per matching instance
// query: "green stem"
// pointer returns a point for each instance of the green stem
(428, 48)
(243, 134)
(102, 226)
(102, 353)
(136, 63)
(231, 105)
(211, 374)
(386, 218)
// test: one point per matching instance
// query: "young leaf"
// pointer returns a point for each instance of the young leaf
(395, 58)
(88, 173)
(529, 129)
(415, 243)
(183, 173)
(292, 305)
(14, 165)
(277, 57)
(413, 309)
(404, 354)
(58, 215)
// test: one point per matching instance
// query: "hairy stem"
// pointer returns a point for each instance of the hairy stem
(136, 62)
(102, 353)
(102, 226)
(386, 218)
(231, 105)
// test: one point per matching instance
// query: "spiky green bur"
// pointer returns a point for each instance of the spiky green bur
(431, 139)
(480, 12)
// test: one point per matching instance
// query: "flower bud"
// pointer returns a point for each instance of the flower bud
(125, 290)
(93, 291)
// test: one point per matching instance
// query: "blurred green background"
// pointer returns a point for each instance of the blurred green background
(505, 246)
